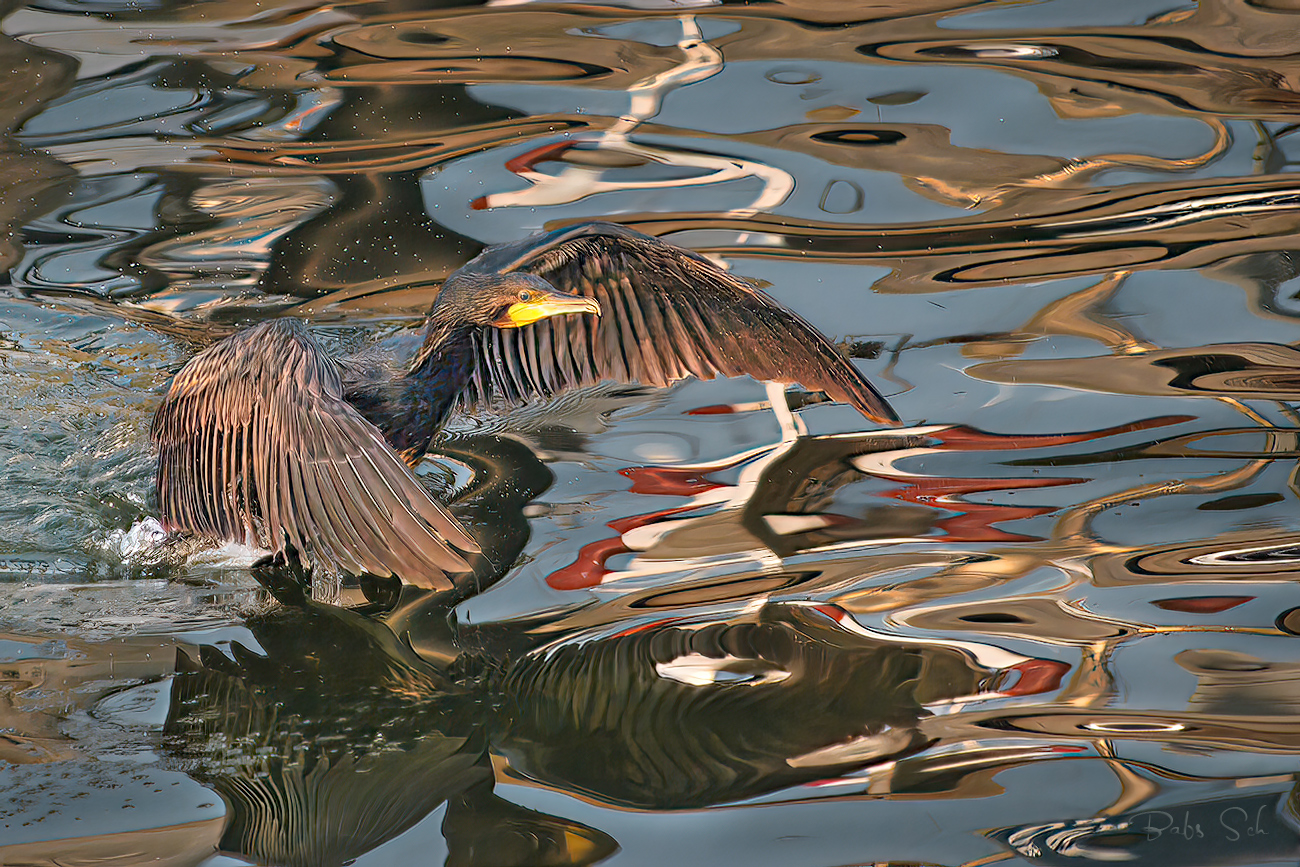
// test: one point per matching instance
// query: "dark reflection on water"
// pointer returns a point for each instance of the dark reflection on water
(1051, 621)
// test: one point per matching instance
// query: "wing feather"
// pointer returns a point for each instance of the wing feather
(256, 444)
(527, 344)
(544, 349)
(668, 314)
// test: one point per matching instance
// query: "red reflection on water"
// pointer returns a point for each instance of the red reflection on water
(588, 569)
(976, 520)
(962, 438)
(668, 480)
(1036, 676)
(1201, 604)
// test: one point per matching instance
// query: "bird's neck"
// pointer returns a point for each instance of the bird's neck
(436, 377)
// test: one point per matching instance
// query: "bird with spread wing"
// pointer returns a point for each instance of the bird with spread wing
(265, 439)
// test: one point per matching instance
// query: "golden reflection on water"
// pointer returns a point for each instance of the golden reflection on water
(1061, 234)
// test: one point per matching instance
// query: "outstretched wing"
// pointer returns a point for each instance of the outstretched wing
(256, 444)
(667, 314)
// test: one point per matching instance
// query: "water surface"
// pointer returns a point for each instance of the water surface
(1049, 621)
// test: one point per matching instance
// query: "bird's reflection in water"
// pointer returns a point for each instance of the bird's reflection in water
(337, 736)
(338, 739)
(681, 717)
(341, 730)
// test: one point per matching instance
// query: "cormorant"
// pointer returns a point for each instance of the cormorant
(265, 439)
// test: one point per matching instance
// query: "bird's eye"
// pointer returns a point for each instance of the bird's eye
(525, 295)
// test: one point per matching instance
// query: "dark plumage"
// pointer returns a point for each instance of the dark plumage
(263, 438)
(669, 314)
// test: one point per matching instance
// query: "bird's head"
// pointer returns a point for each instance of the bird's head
(509, 300)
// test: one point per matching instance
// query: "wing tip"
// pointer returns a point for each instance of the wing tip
(878, 410)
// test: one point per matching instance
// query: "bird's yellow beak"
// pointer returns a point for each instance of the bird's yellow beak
(543, 305)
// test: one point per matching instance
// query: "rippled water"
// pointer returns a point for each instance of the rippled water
(1051, 621)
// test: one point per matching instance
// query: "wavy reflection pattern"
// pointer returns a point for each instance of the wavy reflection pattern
(1049, 621)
